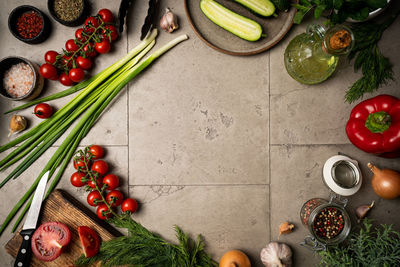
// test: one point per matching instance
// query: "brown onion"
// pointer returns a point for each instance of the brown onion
(386, 182)
(234, 258)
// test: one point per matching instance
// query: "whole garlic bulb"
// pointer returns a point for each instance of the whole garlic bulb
(276, 255)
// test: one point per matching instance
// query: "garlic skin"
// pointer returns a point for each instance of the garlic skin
(17, 124)
(276, 255)
(362, 210)
(169, 21)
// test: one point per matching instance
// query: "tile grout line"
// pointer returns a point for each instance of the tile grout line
(269, 144)
(127, 117)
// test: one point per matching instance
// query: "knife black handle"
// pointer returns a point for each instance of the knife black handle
(25, 251)
(122, 12)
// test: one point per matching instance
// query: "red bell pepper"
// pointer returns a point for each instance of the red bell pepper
(374, 126)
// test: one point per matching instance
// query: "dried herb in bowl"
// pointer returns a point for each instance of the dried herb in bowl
(68, 10)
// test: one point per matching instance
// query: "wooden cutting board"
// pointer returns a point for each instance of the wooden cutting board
(62, 207)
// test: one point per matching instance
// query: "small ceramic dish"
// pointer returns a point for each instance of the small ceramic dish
(37, 81)
(18, 12)
(70, 23)
(371, 14)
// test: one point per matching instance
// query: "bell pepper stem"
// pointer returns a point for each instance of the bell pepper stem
(378, 122)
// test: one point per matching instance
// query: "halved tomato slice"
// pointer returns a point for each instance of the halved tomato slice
(90, 241)
(49, 240)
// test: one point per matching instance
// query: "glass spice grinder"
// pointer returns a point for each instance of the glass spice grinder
(327, 221)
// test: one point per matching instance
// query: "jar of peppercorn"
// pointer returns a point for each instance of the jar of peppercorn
(327, 221)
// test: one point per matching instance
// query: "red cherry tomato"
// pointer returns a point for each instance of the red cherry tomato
(84, 63)
(79, 34)
(43, 111)
(90, 52)
(101, 210)
(100, 167)
(103, 47)
(50, 56)
(65, 80)
(68, 59)
(111, 180)
(98, 182)
(130, 205)
(114, 198)
(97, 151)
(90, 241)
(71, 46)
(49, 240)
(112, 31)
(76, 75)
(48, 71)
(93, 198)
(80, 163)
(76, 179)
(91, 21)
(106, 15)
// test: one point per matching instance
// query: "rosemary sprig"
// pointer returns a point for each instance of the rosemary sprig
(375, 67)
(142, 248)
(369, 248)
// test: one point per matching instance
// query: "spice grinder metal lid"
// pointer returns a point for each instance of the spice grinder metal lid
(342, 175)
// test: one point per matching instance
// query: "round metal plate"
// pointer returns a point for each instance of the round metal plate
(226, 42)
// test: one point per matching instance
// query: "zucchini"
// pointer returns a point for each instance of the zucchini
(240, 26)
(263, 8)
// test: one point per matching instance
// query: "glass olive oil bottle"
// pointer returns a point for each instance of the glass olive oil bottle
(312, 57)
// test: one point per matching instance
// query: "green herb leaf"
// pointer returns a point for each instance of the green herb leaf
(302, 11)
(318, 11)
(337, 4)
(375, 4)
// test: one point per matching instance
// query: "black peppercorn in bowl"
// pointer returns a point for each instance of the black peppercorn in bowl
(19, 79)
(29, 24)
(70, 13)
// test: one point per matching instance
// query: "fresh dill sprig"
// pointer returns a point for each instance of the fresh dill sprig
(142, 248)
(369, 248)
(376, 68)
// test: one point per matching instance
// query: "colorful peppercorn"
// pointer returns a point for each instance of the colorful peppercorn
(308, 207)
(328, 223)
(29, 25)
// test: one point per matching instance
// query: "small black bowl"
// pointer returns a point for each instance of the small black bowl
(12, 24)
(73, 23)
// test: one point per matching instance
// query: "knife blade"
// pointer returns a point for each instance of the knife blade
(122, 11)
(25, 251)
(150, 18)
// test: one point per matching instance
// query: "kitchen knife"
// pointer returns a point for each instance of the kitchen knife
(150, 17)
(25, 251)
(123, 10)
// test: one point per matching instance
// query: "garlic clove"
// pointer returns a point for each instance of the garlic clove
(17, 124)
(276, 255)
(169, 21)
(362, 210)
(286, 228)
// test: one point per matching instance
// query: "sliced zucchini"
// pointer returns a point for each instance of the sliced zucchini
(261, 7)
(240, 26)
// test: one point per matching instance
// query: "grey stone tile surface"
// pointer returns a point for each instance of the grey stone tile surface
(227, 147)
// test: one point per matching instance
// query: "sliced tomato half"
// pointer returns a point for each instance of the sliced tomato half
(90, 241)
(49, 240)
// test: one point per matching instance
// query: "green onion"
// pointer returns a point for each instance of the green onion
(90, 103)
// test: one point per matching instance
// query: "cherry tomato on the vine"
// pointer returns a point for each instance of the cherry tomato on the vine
(103, 47)
(106, 15)
(98, 182)
(76, 75)
(79, 34)
(100, 166)
(97, 151)
(80, 163)
(48, 71)
(84, 63)
(111, 180)
(92, 21)
(76, 179)
(114, 198)
(113, 33)
(90, 52)
(94, 198)
(50, 56)
(71, 46)
(65, 80)
(66, 59)
(130, 205)
(101, 210)
(43, 111)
